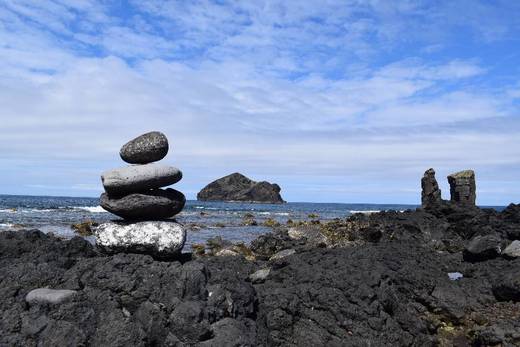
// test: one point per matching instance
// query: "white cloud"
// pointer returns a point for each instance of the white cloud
(274, 89)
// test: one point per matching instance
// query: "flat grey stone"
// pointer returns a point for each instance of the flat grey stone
(48, 296)
(283, 254)
(260, 275)
(139, 178)
(144, 149)
(155, 204)
(513, 250)
(160, 239)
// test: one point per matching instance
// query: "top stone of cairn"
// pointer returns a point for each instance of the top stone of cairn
(144, 149)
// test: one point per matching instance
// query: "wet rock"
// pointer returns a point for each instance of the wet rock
(431, 194)
(160, 239)
(49, 296)
(483, 248)
(144, 149)
(462, 187)
(139, 178)
(84, 228)
(513, 250)
(237, 187)
(153, 204)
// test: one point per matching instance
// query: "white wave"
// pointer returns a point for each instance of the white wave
(91, 209)
(282, 213)
(265, 213)
(8, 210)
(8, 226)
(365, 212)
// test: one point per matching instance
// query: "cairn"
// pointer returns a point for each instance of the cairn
(134, 193)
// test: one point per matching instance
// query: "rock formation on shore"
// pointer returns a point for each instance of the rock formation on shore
(462, 187)
(134, 193)
(431, 194)
(237, 187)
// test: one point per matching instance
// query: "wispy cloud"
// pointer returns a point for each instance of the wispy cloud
(348, 93)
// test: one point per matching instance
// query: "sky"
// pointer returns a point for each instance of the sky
(336, 101)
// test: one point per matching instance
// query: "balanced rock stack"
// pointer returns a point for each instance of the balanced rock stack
(133, 193)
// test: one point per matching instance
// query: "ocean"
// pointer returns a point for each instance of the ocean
(202, 219)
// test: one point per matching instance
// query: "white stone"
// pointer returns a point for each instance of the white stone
(260, 275)
(513, 250)
(48, 296)
(138, 178)
(161, 239)
(283, 254)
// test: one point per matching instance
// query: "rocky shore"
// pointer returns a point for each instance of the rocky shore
(446, 274)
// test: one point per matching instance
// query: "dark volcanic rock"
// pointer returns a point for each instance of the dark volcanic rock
(393, 292)
(144, 149)
(462, 187)
(431, 194)
(154, 204)
(483, 248)
(237, 187)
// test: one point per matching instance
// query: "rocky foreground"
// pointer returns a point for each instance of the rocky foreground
(444, 275)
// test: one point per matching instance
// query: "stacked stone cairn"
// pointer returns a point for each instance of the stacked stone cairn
(134, 193)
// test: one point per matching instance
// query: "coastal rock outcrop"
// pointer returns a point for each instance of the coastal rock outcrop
(133, 193)
(463, 188)
(431, 194)
(237, 187)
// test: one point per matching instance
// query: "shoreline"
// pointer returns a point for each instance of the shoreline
(376, 278)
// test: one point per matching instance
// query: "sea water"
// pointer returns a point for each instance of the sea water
(203, 220)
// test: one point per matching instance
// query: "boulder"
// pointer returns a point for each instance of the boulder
(160, 239)
(144, 149)
(513, 250)
(463, 188)
(282, 254)
(237, 187)
(154, 204)
(431, 194)
(482, 248)
(48, 296)
(139, 178)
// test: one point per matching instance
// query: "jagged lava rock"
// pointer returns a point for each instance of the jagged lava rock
(483, 247)
(160, 239)
(462, 187)
(431, 194)
(237, 187)
(139, 178)
(144, 149)
(153, 204)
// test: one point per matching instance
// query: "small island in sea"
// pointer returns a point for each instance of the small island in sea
(237, 187)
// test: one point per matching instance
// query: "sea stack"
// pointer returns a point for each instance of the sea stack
(463, 188)
(237, 187)
(431, 194)
(134, 193)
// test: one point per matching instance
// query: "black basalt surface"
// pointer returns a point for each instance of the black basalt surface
(393, 290)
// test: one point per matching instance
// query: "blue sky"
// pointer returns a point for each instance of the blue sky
(337, 101)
